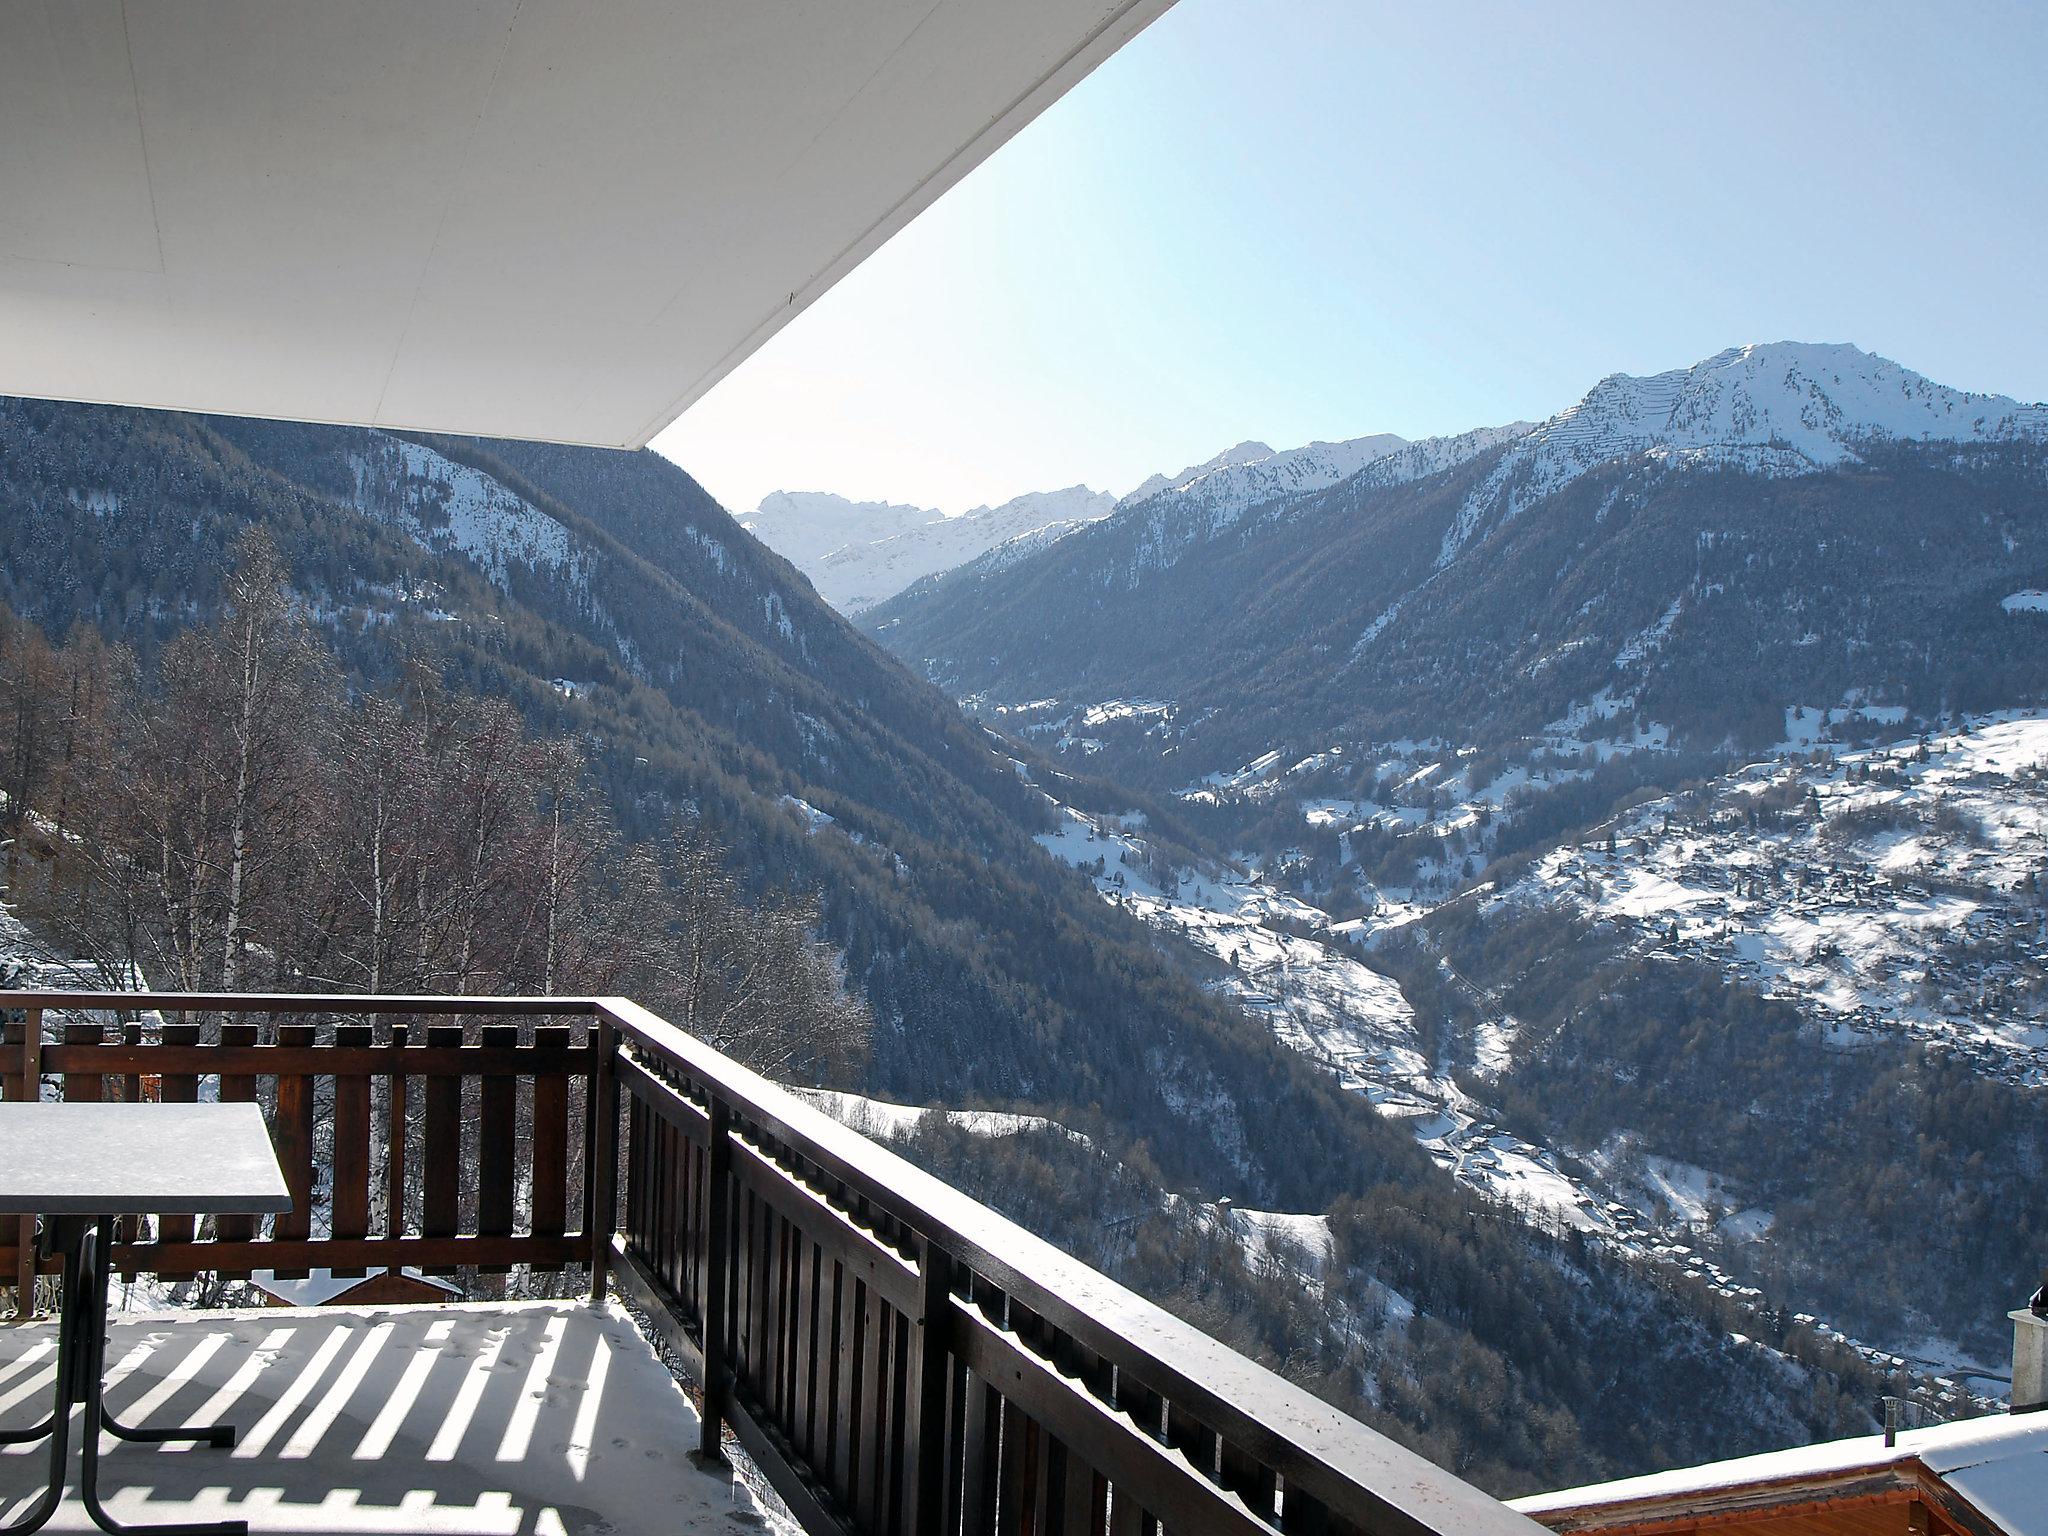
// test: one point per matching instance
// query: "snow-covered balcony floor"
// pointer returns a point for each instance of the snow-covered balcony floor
(524, 1419)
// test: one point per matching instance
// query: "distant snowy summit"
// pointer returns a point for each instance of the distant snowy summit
(1812, 403)
(859, 553)
(805, 526)
(1778, 408)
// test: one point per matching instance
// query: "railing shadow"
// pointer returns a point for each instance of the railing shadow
(525, 1420)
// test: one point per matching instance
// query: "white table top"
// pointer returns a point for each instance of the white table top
(138, 1159)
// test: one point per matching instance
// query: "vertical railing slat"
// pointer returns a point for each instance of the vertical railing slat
(497, 1144)
(441, 1160)
(27, 1088)
(291, 1132)
(237, 1088)
(397, 1140)
(601, 1177)
(897, 1443)
(351, 1161)
(805, 1408)
(845, 1335)
(1251, 1481)
(663, 1163)
(550, 1139)
(177, 1088)
(775, 1330)
(717, 1280)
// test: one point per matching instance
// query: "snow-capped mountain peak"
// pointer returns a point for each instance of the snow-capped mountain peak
(1781, 408)
(1815, 400)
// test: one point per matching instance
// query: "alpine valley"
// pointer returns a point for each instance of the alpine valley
(1649, 807)
(1483, 924)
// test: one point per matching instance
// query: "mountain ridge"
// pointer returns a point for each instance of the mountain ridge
(1498, 580)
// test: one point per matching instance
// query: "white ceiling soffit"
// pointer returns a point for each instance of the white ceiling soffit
(561, 219)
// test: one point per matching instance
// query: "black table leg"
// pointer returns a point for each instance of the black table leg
(97, 1249)
(59, 1426)
(81, 1380)
(219, 1436)
(24, 1436)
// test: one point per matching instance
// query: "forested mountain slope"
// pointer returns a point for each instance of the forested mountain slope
(609, 598)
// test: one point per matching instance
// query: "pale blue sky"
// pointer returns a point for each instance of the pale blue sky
(1289, 219)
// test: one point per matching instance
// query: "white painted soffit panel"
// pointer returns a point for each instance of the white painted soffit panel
(560, 219)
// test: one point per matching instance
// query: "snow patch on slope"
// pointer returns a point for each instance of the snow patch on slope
(453, 509)
(884, 1121)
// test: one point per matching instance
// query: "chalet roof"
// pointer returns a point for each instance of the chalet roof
(1997, 1464)
(527, 218)
(318, 1287)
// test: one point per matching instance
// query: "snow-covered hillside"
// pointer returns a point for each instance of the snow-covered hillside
(451, 508)
(1433, 455)
(454, 509)
(1289, 966)
(1891, 891)
(1782, 408)
(858, 554)
(1286, 964)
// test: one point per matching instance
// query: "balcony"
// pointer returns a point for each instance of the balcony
(890, 1354)
(517, 1419)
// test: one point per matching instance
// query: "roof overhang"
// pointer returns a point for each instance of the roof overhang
(1851, 1500)
(561, 219)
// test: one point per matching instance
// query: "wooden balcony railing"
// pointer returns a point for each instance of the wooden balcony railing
(409, 1146)
(894, 1355)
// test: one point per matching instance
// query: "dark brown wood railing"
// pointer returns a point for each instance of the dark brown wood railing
(895, 1356)
(444, 1146)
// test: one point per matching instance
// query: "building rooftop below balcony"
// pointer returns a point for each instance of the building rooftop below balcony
(523, 1419)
